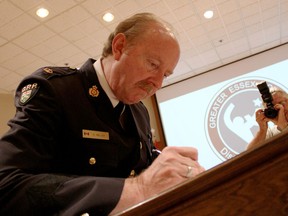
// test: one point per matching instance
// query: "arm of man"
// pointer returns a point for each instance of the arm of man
(39, 172)
(169, 169)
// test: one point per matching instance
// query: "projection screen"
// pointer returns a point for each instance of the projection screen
(215, 111)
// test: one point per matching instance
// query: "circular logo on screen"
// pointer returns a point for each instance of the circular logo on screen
(230, 118)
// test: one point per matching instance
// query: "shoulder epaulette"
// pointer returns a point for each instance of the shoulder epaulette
(49, 72)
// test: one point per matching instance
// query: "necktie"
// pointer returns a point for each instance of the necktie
(119, 109)
(122, 113)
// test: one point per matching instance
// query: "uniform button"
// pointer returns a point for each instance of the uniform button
(132, 173)
(141, 146)
(92, 161)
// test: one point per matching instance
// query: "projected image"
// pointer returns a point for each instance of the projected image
(230, 117)
(219, 120)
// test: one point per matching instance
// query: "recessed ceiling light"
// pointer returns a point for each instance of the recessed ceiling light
(42, 12)
(108, 17)
(208, 14)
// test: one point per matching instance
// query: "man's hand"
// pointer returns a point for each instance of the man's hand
(173, 166)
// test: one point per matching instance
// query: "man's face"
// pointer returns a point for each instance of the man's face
(283, 100)
(139, 69)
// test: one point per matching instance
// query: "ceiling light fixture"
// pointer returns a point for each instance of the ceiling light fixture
(208, 14)
(42, 12)
(108, 17)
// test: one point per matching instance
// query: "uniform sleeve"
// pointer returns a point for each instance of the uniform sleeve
(28, 185)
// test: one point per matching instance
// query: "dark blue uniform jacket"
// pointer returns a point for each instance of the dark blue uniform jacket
(66, 153)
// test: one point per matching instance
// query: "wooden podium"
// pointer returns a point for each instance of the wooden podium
(254, 183)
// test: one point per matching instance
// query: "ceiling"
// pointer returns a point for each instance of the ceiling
(74, 31)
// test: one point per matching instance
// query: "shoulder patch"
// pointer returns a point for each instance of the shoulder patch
(28, 92)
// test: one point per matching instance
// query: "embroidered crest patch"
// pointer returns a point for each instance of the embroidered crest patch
(28, 92)
(93, 91)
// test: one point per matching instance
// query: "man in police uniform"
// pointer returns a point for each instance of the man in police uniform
(68, 152)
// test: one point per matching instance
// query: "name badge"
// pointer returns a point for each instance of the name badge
(91, 134)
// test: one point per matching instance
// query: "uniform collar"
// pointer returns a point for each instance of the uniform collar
(103, 82)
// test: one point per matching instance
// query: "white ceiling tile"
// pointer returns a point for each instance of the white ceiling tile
(240, 34)
(8, 12)
(188, 53)
(218, 35)
(96, 7)
(158, 8)
(18, 26)
(59, 7)
(171, 19)
(72, 34)
(283, 6)
(232, 17)
(94, 51)
(55, 42)
(213, 24)
(185, 45)
(252, 20)
(10, 81)
(245, 3)
(235, 27)
(250, 10)
(256, 39)
(172, 4)
(34, 37)
(101, 35)
(273, 22)
(183, 12)
(241, 45)
(146, 3)
(182, 67)
(202, 48)
(127, 7)
(272, 33)
(84, 43)
(63, 53)
(9, 50)
(227, 7)
(76, 15)
(210, 56)
(250, 30)
(75, 60)
(33, 66)
(226, 50)
(42, 50)
(25, 4)
(3, 72)
(270, 13)
(89, 25)
(204, 5)
(266, 4)
(195, 61)
(19, 61)
(68, 19)
(2, 41)
(197, 31)
(190, 22)
(199, 41)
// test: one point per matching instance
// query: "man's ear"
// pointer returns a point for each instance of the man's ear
(118, 45)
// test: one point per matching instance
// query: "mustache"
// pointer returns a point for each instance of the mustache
(147, 86)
